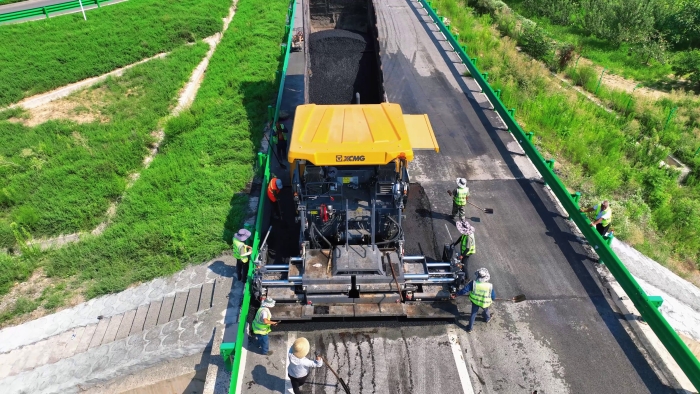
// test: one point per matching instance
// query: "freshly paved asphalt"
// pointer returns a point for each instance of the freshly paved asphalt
(568, 336)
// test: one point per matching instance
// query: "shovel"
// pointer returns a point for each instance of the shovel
(516, 299)
(342, 382)
(485, 210)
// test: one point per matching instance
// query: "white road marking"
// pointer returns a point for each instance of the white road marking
(244, 355)
(459, 360)
(291, 337)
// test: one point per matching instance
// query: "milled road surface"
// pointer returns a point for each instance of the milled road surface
(567, 338)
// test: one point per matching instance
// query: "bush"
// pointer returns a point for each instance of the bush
(535, 42)
(583, 76)
(688, 64)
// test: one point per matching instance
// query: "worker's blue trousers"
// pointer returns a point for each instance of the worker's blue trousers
(475, 311)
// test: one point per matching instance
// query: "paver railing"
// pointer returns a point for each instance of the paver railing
(647, 305)
(46, 10)
(231, 352)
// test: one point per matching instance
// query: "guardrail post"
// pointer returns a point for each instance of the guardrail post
(656, 301)
(227, 351)
(456, 35)
(529, 136)
(474, 59)
(550, 165)
(45, 13)
(98, 3)
(464, 49)
(498, 93)
(511, 111)
(577, 197)
(486, 76)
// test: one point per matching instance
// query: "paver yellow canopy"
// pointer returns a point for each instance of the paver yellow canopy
(372, 134)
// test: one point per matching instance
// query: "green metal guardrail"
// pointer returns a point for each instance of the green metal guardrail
(45, 11)
(231, 352)
(647, 305)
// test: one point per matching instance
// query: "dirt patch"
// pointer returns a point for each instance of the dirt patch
(32, 290)
(81, 107)
(620, 83)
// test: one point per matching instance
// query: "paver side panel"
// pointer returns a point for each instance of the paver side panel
(99, 332)
(152, 316)
(193, 300)
(112, 328)
(125, 325)
(205, 298)
(179, 306)
(139, 319)
(166, 309)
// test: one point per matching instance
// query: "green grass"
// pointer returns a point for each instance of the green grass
(618, 60)
(601, 154)
(5, 2)
(43, 55)
(60, 177)
(190, 196)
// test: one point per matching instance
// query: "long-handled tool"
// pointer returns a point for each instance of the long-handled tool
(342, 382)
(485, 210)
(517, 298)
(398, 288)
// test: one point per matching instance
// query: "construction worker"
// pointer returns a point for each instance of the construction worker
(273, 191)
(460, 195)
(481, 294)
(467, 244)
(241, 251)
(603, 217)
(299, 365)
(261, 325)
(279, 138)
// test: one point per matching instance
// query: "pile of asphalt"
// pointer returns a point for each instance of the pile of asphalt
(343, 63)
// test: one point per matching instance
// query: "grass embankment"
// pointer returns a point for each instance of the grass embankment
(40, 56)
(192, 193)
(598, 153)
(60, 177)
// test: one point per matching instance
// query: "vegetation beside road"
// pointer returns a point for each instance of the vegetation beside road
(192, 194)
(598, 153)
(43, 55)
(60, 177)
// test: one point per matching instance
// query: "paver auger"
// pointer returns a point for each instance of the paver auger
(350, 179)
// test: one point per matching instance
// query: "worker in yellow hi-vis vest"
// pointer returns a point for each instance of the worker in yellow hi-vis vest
(261, 325)
(481, 294)
(467, 245)
(460, 195)
(241, 252)
(603, 217)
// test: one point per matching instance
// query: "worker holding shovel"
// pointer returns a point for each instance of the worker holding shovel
(481, 294)
(299, 365)
(467, 245)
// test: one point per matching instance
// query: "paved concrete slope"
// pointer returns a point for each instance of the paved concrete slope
(568, 338)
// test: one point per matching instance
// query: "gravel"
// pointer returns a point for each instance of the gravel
(342, 63)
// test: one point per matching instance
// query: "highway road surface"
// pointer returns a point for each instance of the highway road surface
(567, 338)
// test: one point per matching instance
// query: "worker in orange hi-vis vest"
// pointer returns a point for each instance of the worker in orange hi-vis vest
(273, 193)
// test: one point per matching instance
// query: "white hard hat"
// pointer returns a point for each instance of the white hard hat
(279, 183)
(461, 182)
